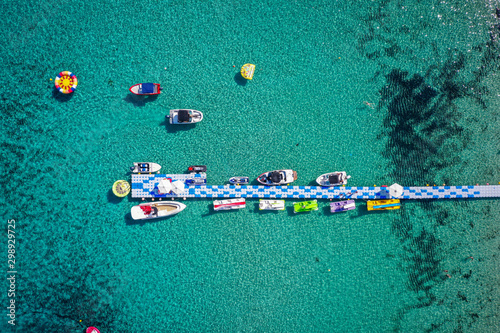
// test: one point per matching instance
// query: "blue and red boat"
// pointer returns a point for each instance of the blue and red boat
(145, 89)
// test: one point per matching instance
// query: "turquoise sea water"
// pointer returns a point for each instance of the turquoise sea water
(429, 70)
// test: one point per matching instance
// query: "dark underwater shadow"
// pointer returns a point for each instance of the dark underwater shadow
(360, 211)
(291, 211)
(140, 100)
(212, 211)
(240, 80)
(112, 198)
(130, 221)
(59, 96)
(422, 116)
(210, 208)
(172, 128)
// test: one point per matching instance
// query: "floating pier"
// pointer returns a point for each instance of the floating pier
(146, 186)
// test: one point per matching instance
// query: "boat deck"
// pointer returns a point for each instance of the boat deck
(143, 186)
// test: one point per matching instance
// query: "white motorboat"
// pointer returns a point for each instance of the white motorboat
(237, 203)
(266, 204)
(154, 210)
(277, 177)
(145, 167)
(336, 178)
(184, 116)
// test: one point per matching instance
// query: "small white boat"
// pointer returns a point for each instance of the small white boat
(239, 180)
(278, 177)
(237, 203)
(184, 116)
(145, 167)
(336, 178)
(265, 204)
(154, 210)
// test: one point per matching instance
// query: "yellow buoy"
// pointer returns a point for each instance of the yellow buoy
(121, 188)
(247, 71)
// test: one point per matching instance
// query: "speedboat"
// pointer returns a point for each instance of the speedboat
(145, 167)
(305, 206)
(333, 178)
(145, 89)
(342, 206)
(184, 116)
(265, 204)
(197, 168)
(92, 329)
(237, 203)
(239, 180)
(154, 210)
(383, 204)
(277, 177)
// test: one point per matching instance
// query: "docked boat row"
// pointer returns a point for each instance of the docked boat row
(154, 210)
(150, 167)
(288, 176)
(307, 206)
(166, 185)
(285, 177)
(270, 178)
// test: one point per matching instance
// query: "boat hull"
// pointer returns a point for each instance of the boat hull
(195, 117)
(145, 167)
(229, 204)
(271, 204)
(323, 180)
(92, 329)
(383, 204)
(158, 210)
(197, 168)
(136, 89)
(342, 206)
(288, 176)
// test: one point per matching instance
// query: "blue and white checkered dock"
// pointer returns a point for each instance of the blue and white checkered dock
(146, 186)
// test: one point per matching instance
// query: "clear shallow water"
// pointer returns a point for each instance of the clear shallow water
(430, 71)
